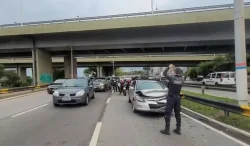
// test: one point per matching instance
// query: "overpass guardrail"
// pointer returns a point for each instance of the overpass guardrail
(18, 89)
(149, 13)
(226, 107)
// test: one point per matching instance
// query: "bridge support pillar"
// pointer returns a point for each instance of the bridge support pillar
(70, 72)
(21, 71)
(44, 67)
(100, 71)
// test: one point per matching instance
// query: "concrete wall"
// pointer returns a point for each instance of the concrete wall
(44, 67)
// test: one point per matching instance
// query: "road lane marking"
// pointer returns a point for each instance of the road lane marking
(19, 114)
(95, 136)
(15, 97)
(217, 131)
(108, 100)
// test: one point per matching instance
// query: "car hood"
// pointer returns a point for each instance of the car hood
(153, 93)
(54, 86)
(69, 90)
(97, 82)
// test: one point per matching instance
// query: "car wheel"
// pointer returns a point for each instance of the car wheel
(87, 100)
(55, 104)
(203, 83)
(134, 110)
(216, 84)
(93, 97)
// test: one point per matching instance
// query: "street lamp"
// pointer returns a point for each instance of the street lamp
(152, 6)
(113, 66)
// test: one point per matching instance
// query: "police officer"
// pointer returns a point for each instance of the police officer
(173, 99)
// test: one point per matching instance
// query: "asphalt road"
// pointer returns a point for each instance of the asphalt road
(122, 127)
(226, 94)
(34, 121)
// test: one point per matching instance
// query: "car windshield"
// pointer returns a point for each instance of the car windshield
(148, 85)
(59, 81)
(99, 79)
(75, 83)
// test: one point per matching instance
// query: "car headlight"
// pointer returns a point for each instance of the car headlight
(56, 93)
(101, 84)
(140, 99)
(80, 93)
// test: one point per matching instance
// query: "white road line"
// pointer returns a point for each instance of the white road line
(95, 136)
(218, 131)
(29, 110)
(28, 94)
(108, 100)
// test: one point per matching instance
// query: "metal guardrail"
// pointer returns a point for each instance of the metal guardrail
(226, 107)
(162, 12)
(220, 88)
(18, 89)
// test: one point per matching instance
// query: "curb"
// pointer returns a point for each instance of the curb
(18, 95)
(241, 134)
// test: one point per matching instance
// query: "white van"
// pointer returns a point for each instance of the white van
(220, 78)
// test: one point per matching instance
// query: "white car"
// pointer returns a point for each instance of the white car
(148, 96)
(219, 78)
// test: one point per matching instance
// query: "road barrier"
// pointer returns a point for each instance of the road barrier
(226, 107)
(220, 88)
(140, 14)
(17, 89)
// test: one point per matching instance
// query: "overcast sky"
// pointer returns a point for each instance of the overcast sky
(36, 10)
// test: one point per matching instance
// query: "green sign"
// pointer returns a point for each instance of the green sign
(46, 78)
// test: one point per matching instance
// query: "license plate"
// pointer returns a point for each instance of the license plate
(66, 99)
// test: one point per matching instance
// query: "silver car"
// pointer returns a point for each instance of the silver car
(74, 91)
(148, 96)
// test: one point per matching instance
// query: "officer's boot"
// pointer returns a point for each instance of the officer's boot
(177, 131)
(165, 131)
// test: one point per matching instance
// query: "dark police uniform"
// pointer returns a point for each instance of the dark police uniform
(173, 99)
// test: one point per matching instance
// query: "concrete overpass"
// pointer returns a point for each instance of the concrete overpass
(183, 31)
(120, 61)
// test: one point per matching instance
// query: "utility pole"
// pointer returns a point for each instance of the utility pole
(71, 62)
(21, 11)
(240, 53)
(152, 6)
(113, 67)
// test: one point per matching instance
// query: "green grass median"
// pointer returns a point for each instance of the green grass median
(239, 121)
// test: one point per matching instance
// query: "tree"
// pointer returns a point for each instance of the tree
(192, 72)
(29, 80)
(11, 79)
(205, 68)
(119, 72)
(58, 73)
(1, 70)
(90, 71)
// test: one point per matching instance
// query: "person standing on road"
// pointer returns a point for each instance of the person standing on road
(114, 84)
(173, 99)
